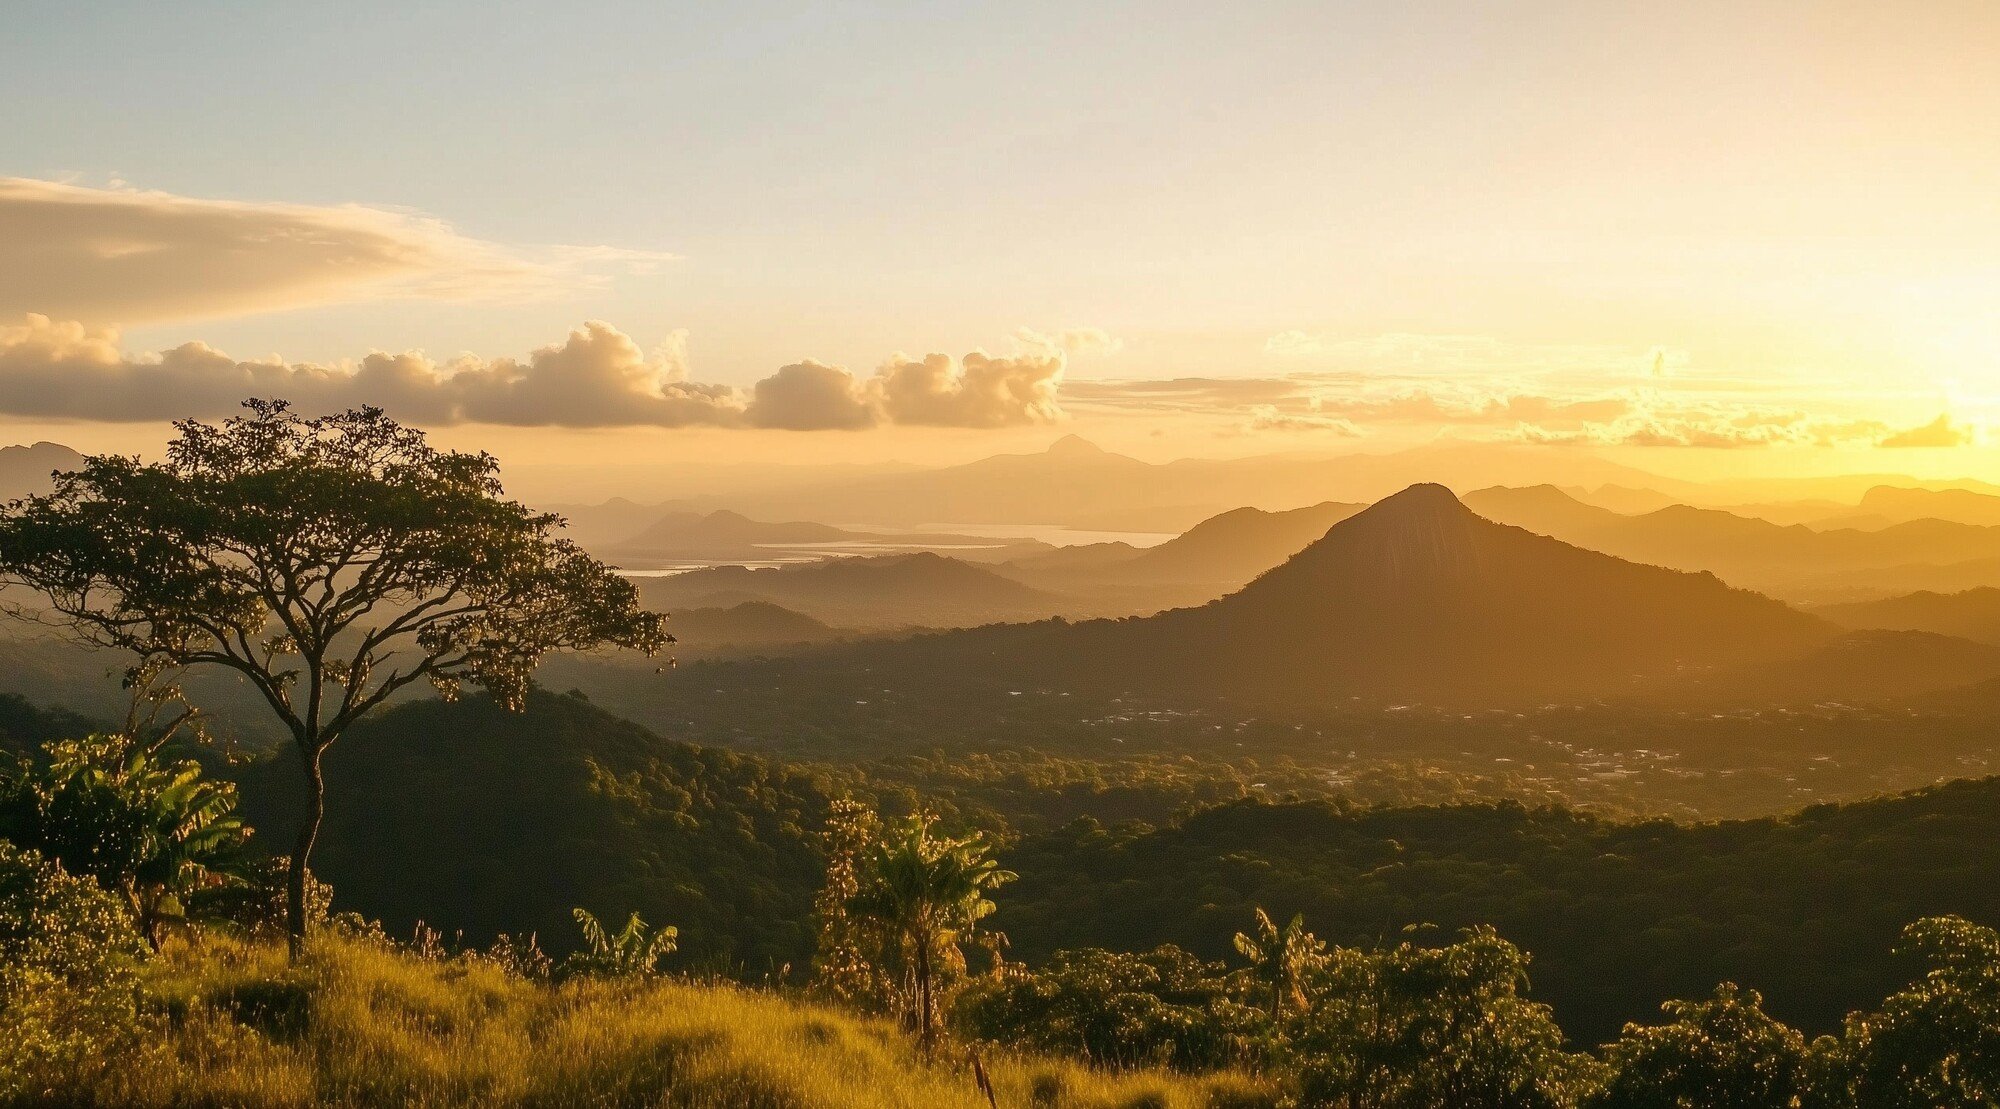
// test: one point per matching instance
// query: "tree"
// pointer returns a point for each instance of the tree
(330, 562)
(1281, 959)
(108, 808)
(1414, 1027)
(927, 892)
(841, 966)
(1936, 1042)
(1722, 1053)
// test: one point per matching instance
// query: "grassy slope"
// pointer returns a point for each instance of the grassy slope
(359, 1025)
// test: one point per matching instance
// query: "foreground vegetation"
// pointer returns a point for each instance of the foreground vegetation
(362, 1023)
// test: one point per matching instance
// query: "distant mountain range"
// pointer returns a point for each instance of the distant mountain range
(890, 591)
(1794, 560)
(1972, 614)
(724, 535)
(1415, 598)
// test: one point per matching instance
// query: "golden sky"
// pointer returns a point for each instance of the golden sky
(1703, 238)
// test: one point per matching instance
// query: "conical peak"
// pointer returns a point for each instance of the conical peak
(1074, 445)
(1423, 499)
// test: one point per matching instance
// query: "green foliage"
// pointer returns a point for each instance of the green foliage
(1621, 916)
(482, 822)
(109, 808)
(1413, 1027)
(1281, 959)
(631, 952)
(1160, 1008)
(926, 893)
(328, 562)
(842, 967)
(1936, 1043)
(1721, 1053)
(69, 1003)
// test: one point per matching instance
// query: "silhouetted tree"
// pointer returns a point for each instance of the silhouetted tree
(330, 561)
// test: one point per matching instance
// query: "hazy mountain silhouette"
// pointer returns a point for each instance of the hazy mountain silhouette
(749, 624)
(1214, 557)
(1971, 614)
(1416, 598)
(1755, 553)
(25, 470)
(1077, 484)
(724, 535)
(922, 589)
(1962, 506)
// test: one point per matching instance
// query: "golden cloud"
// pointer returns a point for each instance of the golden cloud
(129, 256)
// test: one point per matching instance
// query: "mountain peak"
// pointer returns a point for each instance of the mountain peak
(1423, 499)
(1075, 446)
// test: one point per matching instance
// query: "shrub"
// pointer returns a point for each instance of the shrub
(69, 998)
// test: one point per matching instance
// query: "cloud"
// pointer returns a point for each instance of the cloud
(597, 377)
(129, 256)
(980, 391)
(811, 396)
(1941, 432)
(1073, 341)
(1411, 353)
(1263, 417)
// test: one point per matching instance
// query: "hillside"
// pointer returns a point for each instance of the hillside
(361, 1026)
(1965, 506)
(1415, 598)
(1619, 916)
(481, 821)
(887, 591)
(750, 624)
(1972, 614)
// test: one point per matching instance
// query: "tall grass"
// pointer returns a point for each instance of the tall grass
(361, 1024)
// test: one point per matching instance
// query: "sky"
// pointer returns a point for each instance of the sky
(1705, 238)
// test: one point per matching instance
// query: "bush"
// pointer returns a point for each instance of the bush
(69, 996)
(1161, 1008)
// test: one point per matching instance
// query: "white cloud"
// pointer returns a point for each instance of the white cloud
(1941, 432)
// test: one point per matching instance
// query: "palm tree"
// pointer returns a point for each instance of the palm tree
(1281, 958)
(928, 892)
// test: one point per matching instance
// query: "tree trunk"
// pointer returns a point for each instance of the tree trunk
(295, 891)
(924, 1007)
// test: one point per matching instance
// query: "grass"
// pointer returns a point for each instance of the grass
(359, 1024)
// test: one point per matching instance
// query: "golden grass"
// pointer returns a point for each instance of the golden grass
(360, 1025)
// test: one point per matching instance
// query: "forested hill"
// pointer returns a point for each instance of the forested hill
(1619, 917)
(474, 819)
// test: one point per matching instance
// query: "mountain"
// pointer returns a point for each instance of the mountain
(679, 533)
(1962, 506)
(25, 470)
(750, 624)
(1415, 598)
(1214, 557)
(888, 591)
(1791, 560)
(1972, 614)
(1075, 483)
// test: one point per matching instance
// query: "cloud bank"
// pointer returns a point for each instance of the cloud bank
(597, 377)
(132, 256)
